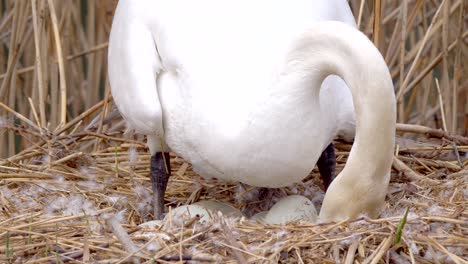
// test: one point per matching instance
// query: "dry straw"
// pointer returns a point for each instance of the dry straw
(68, 168)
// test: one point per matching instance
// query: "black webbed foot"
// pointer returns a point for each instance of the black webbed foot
(326, 165)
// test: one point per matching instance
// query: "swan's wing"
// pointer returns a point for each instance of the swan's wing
(344, 13)
(133, 67)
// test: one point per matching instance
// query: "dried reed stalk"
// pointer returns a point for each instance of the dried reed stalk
(68, 162)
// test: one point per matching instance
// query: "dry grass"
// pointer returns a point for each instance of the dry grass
(56, 210)
(68, 168)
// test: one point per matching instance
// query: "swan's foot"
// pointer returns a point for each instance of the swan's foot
(159, 178)
(266, 194)
(326, 165)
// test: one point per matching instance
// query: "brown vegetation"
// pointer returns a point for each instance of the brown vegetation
(68, 165)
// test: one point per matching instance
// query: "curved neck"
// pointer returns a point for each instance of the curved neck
(334, 48)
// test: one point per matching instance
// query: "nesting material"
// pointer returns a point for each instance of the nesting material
(70, 165)
(49, 215)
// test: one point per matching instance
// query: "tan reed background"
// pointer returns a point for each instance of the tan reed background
(53, 60)
(69, 169)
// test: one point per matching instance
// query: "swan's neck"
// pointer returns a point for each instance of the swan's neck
(333, 48)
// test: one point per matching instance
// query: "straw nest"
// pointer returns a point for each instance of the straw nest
(74, 187)
(61, 204)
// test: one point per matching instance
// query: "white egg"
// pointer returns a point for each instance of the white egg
(205, 210)
(291, 208)
(260, 217)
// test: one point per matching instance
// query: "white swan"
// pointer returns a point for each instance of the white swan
(234, 88)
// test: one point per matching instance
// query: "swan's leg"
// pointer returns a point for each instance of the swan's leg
(159, 178)
(266, 194)
(326, 165)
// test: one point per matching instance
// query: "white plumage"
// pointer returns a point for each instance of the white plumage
(234, 88)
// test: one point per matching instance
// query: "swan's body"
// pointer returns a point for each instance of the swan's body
(220, 75)
(233, 87)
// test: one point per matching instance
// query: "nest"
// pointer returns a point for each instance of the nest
(60, 204)
(75, 188)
